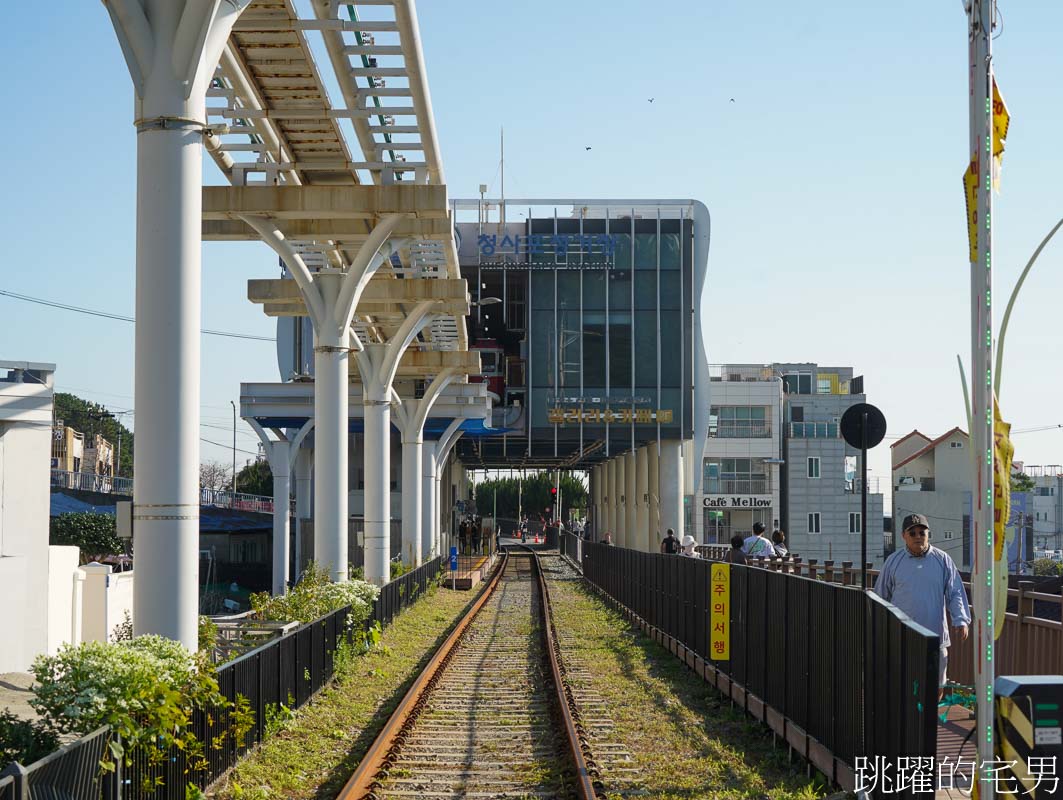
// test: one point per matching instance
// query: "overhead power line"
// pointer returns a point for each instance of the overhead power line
(122, 317)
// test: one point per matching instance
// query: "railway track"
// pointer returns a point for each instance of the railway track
(490, 716)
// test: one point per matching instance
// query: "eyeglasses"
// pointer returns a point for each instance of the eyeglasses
(918, 534)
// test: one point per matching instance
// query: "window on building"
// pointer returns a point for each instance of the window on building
(813, 522)
(822, 385)
(855, 522)
(736, 476)
(955, 445)
(948, 535)
(813, 467)
(797, 413)
(739, 422)
(798, 383)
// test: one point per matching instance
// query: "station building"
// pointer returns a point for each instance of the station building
(584, 315)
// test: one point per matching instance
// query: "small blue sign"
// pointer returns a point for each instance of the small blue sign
(453, 559)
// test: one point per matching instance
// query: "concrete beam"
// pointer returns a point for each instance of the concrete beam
(346, 231)
(383, 295)
(326, 202)
(430, 362)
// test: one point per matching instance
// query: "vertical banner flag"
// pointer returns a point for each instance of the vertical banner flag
(720, 615)
(1001, 123)
(1003, 451)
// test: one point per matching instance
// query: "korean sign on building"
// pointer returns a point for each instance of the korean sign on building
(573, 415)
(720, 614)
(603, 244)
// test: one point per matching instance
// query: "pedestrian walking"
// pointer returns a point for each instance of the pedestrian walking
(477, 535)
(608, 539)
(463, 535)
(670, 544)
(923, 582)
(758, 545)
(736, 555)
(689, 543)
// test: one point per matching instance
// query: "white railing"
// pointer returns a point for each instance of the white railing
(105, 484)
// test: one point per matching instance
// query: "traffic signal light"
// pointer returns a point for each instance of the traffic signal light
(553, 491)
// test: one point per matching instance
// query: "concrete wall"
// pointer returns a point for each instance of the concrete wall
(107, 597)
(17, 653)
(65, 585)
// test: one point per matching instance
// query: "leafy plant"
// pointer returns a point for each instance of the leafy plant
(279, 715)
(146, 689)
(314, 596)
(398, 569)
(123, 631)
(208, 634)
(94, 535)
(1047, 566)
(24, 741)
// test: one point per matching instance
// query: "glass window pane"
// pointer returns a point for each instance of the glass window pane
(620, 290)
(671, 290)
(542, 292)
(569, 355)
(593, 288)
(646, 290)
(671, 367)
(645, 251)
(593, 348)
(671, 252)
(758, 413)
(646, 349)
(622, 254)
(619, 352)
(568, 288)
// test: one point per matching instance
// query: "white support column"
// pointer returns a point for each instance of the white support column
(430, 544)
(619, 487)
(634, 533)
(671, 482)
(331, 296)
(378, 365)
(442, 452)
(653, 486)
(642, 474)
(303, 465)
(278, 464)
(171, 48)
(609, 494)
(596, 500)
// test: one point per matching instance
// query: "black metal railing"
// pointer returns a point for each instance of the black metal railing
(286, 671)
(842, 667)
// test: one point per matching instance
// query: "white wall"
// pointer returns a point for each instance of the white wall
(107, 597)
(15, 655)
(65, 583)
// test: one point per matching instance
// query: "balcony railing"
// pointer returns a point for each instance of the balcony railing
(737, 486)
(740, 429)
(814, 430)
(853, 487)
(104, 484)
(914, 485)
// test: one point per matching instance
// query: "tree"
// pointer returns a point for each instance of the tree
(93, 534)
(534, 492)
(256, 478)
(91, 418)
(1021, 482)
(214, 475)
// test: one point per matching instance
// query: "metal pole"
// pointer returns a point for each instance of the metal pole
(233, 501)
(863, 504)
(980, 17)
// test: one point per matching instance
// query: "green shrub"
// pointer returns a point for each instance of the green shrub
(315, 596)
(398, 569)
(94, 535)
(146, 689)
(24, 741)
(208, 635)
(1047, 566)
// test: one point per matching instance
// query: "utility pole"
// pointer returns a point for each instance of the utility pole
(980, 16)
(234, 452)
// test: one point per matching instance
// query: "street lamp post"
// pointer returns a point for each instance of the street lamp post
(234, 453)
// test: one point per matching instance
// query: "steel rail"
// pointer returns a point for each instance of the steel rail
(372, 771)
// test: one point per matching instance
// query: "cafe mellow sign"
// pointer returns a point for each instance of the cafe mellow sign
(737, 501)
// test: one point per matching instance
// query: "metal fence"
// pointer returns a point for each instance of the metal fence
(288, 670)
(836, 672)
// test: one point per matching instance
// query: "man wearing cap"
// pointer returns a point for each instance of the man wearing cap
(758, 545)
(922, 581)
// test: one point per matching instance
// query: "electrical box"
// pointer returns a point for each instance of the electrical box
(1029, 734)
(124, 519)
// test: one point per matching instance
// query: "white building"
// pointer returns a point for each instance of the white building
(741, 483)
(932, 477)
(1047, 505)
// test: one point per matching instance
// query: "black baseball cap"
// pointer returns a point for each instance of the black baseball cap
(758, 528)
(912, 520)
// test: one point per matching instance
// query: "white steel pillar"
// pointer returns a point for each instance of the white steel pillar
(653, 484)
(609, 492)
(671, 483)
(430, 543)
(642, 476)
(634, 533)
(410, 417)
(171, 48)
(303, 463)
(619, 487)
(378, 364)
(331, 295)
(596, 500)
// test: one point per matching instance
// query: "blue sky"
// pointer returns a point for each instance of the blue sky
(833, 179)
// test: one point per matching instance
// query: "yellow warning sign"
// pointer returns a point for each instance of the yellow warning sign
(720, 612)
(970, 189)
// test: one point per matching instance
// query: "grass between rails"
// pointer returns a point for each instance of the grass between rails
(324, 741)
(685, 739)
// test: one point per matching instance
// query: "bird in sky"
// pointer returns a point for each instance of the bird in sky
(650, 100)
(587, 148)
(732, 99)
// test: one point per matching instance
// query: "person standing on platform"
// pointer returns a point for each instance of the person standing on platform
(736, 555)
(463, 535)
(477, 535)
(758, 545)
(689, 543)
(778, 541)
(923, 582)
(607, 539)
(670, 544)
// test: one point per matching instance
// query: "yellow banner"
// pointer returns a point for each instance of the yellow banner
(970, 191)
(1003, 451)
(1001, 121)
(720, 612)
